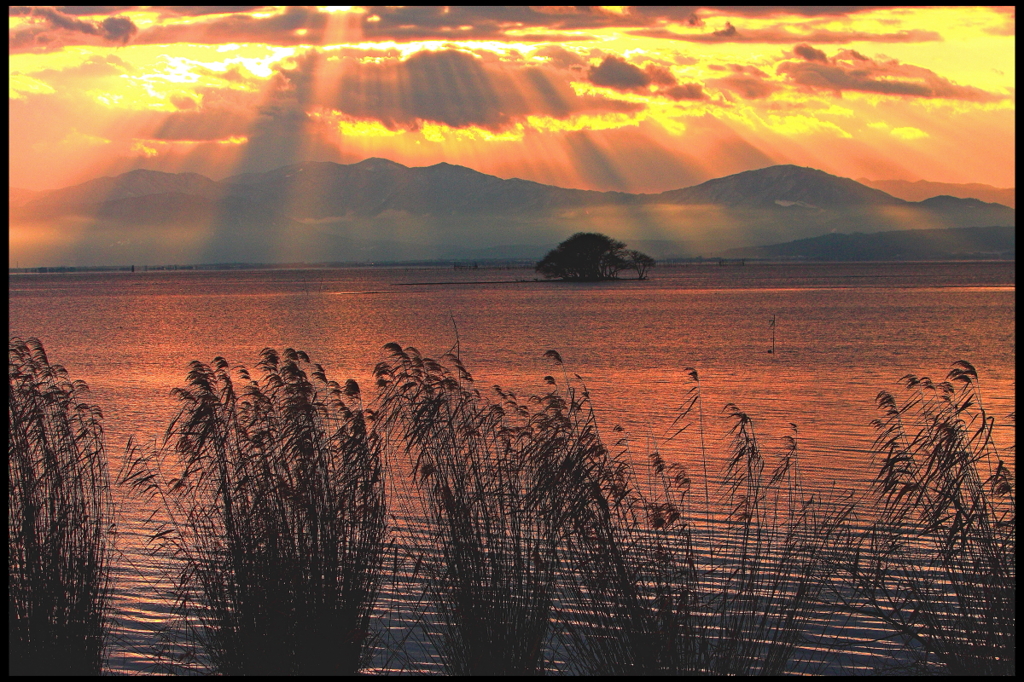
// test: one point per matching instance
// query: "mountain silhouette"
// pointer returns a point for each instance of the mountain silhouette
(943, 244)
(378, 209)
(136, 183)
(785, 185)
(373, 186)
(922, 189)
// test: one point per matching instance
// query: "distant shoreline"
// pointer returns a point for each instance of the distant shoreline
(477, 281)
(461, 266)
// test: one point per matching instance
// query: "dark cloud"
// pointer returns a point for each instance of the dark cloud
(204, 10)
(685, 91)
(294, 26)
(747, 69)
(728, 32)
(379, 23)
(659, 75)
(452, 87)
(227, 23)
(60, 20)
(494, 22)
(118, 29)
(50, 28)
(615, 72)
(809, 53)
(853, 71)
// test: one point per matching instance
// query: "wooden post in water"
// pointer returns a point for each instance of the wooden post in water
(772, 325)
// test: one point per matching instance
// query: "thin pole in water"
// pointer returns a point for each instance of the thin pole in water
(772, 325)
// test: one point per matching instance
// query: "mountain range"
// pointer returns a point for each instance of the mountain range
(922, 189)
(381, 210)
(961, 243)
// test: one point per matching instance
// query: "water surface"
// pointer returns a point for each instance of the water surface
(843, 332)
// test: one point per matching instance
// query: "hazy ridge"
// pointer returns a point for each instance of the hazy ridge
(968, 243)
(381, 210)
(923, 189)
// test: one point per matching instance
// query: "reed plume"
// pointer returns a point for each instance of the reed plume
(938, 563)
(273, 502)
(535, 545)
(500, 484)
(59, 520)
(662, 585)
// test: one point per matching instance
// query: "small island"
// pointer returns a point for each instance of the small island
(593, 257)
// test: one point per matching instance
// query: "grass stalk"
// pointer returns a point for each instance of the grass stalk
(59, 520)
(938, 563)
(272, 497)
(503, 485)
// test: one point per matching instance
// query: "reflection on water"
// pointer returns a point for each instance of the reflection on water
(843, 332)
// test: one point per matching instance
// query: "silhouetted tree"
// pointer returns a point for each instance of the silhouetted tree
(640, 262)
(589, 257)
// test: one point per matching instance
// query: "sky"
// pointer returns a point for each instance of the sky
(610, 98)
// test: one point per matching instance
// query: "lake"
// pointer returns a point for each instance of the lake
(843, 332)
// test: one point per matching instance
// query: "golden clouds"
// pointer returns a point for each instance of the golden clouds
(850, 70)
(908, 133)
(19, 86)
(419, 84)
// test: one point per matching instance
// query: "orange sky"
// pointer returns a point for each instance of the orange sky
(636, 99)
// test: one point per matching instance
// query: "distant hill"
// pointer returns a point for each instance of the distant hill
(966, 243)
(782, 186)
(922, 189)
(136, 183)
(381, 210)
(375, 186)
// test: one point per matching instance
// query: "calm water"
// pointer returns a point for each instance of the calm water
(843, 332)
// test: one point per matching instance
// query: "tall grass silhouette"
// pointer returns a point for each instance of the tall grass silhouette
(272, 498)
(500, 485)
(663, 585)
(59, 519)
(938, 562)
(546, 551)
(534, 544)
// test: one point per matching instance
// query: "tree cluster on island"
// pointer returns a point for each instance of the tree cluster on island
(592, 257)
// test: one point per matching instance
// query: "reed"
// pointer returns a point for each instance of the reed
(273, 506)
(537, 538)
(771, 557)
(938, 562)
(528, 545)
(664, 586)
(500, 486)
(59, 520)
